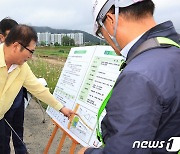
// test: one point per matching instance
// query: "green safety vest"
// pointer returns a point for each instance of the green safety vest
(145, 46)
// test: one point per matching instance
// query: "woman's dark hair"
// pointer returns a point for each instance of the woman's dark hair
(137, 10)
(21, 33)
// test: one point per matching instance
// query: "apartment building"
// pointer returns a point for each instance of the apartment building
(49, 38)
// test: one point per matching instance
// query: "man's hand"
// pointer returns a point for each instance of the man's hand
(82, 150)
(67, 112)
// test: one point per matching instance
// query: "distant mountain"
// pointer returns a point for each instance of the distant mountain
(87, 37)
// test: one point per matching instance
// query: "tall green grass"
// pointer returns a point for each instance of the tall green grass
(50, 72)
(61, 51)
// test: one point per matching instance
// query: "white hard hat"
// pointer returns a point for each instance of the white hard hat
(101, 7)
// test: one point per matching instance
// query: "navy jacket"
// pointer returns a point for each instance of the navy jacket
(145, 104)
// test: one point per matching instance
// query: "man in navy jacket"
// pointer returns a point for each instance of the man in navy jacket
(144, 108)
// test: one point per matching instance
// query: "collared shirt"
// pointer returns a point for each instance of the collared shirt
(11, 83)
(2, 63)
(125, 50)
(14, 66)
(145, 102)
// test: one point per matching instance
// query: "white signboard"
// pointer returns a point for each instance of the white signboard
(86, 79)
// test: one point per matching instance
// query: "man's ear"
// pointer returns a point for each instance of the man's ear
(110, 17)
(2, 38)
(16, 45)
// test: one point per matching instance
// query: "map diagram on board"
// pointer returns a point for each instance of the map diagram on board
(86, 79)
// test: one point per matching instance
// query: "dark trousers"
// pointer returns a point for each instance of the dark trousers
(15, 117)
(2, 136)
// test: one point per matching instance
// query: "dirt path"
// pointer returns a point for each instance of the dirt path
(59, 61)
(37, 133)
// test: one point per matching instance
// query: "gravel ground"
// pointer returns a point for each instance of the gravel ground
(37, 133)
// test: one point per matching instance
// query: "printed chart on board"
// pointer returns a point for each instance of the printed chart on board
(86, 79)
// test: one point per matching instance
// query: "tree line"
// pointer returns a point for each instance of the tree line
(66, 41)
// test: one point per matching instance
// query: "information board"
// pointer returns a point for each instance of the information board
(86, 79)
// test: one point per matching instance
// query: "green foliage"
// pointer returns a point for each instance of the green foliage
(71, 42)
(56, 44)
(42, 43)
(67, 41)
(58, 51)
(61, 51)
(50, 72)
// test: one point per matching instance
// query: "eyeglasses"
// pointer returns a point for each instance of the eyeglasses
(31, 51)
(100, 22)
(99, 33)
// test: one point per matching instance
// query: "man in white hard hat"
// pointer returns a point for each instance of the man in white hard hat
(144, 109)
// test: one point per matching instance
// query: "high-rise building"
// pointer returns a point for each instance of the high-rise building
(78, 38)
(44, 37)
(49, 38)
(52, 39)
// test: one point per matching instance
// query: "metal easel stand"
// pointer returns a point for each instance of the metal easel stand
(43, 82)
(42, 109)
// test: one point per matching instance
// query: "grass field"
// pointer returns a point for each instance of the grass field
(49, 71)
(61, 51)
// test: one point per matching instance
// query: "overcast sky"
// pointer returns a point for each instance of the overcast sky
(73, 14)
